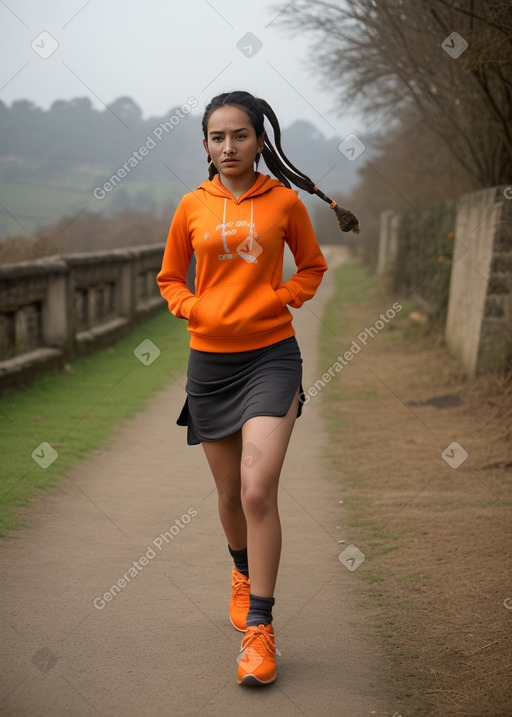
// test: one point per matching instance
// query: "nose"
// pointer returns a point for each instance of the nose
(228, 148)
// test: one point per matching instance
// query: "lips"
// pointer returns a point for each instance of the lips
(228, 161)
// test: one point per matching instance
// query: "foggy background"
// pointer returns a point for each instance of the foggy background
(83, 85)
(159, 53)
(385, 106)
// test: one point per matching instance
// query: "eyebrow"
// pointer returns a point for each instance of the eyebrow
(221, 131)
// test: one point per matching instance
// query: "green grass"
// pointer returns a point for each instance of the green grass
(339, 328)
(414, 578)
(33, 204)
(354, 285)
(77, 410)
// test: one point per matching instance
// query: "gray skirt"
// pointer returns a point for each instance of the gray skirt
(224, 390)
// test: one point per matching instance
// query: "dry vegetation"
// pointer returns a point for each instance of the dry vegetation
(441, 123)
(435, 586)
(87, 233)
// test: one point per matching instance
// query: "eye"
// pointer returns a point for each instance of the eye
(241, 136)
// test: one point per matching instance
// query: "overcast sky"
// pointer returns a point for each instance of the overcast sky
(160, 53)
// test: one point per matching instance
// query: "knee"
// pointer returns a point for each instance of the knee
(258, 501)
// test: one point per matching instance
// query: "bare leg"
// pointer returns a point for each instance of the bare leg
(246, 468)
(224, 458)
(265, 440)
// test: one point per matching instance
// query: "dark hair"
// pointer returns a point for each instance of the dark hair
(275, 159)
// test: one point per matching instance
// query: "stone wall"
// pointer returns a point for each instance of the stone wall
(415, 253)
(462, 278)
(55, 309)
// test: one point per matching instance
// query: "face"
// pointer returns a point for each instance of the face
(232, 142)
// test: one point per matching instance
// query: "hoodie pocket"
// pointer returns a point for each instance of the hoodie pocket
(236, 309)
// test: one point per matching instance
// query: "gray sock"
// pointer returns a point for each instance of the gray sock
(240, 560)
(260, 610)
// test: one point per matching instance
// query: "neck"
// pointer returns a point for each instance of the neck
(238, 186)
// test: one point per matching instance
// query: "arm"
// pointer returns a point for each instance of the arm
(172, 278)
(309, 259)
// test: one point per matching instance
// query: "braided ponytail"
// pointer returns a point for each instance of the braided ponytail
(275, 159)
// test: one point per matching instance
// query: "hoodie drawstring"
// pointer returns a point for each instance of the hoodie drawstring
(226, 248)
(251, 227)
(251, 230)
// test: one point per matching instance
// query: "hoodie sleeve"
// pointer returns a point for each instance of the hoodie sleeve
(172, 278)
(309, 260)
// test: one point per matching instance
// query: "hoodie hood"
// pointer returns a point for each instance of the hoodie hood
(264, 183)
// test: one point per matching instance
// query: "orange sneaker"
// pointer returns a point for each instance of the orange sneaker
(256, 662)
(239, 603)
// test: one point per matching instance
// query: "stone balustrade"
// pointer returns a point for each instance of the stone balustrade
(55, 309)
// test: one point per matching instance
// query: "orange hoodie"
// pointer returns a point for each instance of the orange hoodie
(240, 302)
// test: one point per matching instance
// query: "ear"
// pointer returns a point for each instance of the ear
(205, 145)
(261, 142)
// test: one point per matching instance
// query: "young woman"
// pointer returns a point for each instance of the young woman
(245, 368)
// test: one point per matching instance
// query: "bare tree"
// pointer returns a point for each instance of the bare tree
(450, 59)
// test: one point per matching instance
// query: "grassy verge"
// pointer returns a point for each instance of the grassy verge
(437, 610)
(359, 299)
(77, 410)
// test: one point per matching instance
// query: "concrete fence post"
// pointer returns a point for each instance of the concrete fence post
(479, 320)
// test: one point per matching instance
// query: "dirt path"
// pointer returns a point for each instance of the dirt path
(161, 643)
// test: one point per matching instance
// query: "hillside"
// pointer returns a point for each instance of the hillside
(73, 159)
